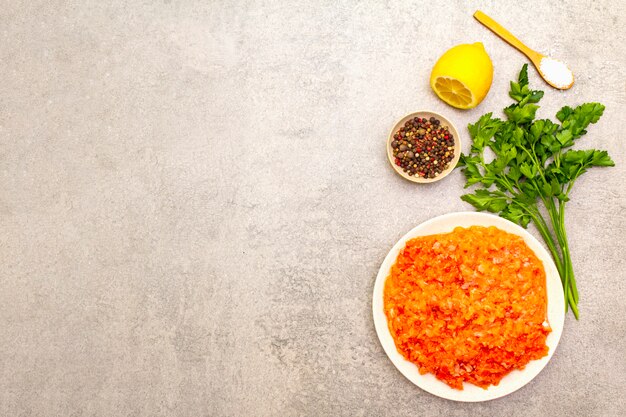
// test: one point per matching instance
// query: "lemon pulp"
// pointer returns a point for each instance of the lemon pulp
(453, 91)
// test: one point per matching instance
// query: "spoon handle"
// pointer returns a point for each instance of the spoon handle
(496, 28)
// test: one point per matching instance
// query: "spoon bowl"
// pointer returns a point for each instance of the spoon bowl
(555, 73)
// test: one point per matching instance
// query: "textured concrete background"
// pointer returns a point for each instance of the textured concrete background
(195, 201)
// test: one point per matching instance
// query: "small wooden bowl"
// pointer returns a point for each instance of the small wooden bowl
(444, 122)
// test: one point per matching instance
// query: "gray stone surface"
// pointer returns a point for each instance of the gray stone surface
(195, 200)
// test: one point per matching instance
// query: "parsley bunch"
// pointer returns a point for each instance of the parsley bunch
(532, 165)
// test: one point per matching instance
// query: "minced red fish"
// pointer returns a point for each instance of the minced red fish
(468, 306)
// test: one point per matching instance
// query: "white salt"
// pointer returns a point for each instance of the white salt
(556, 72)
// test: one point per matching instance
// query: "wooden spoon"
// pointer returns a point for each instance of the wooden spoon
(554, 72)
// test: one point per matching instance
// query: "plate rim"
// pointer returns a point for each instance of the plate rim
(516, 379)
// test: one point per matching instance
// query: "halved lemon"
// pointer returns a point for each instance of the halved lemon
(462, 76)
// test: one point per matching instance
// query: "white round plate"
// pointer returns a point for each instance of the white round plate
(511, 382)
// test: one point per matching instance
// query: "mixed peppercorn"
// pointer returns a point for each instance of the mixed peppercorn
(423, 147)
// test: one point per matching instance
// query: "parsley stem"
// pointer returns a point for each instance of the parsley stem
(542, 226)
(574, 306)
(567, 254)
(557, 216)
